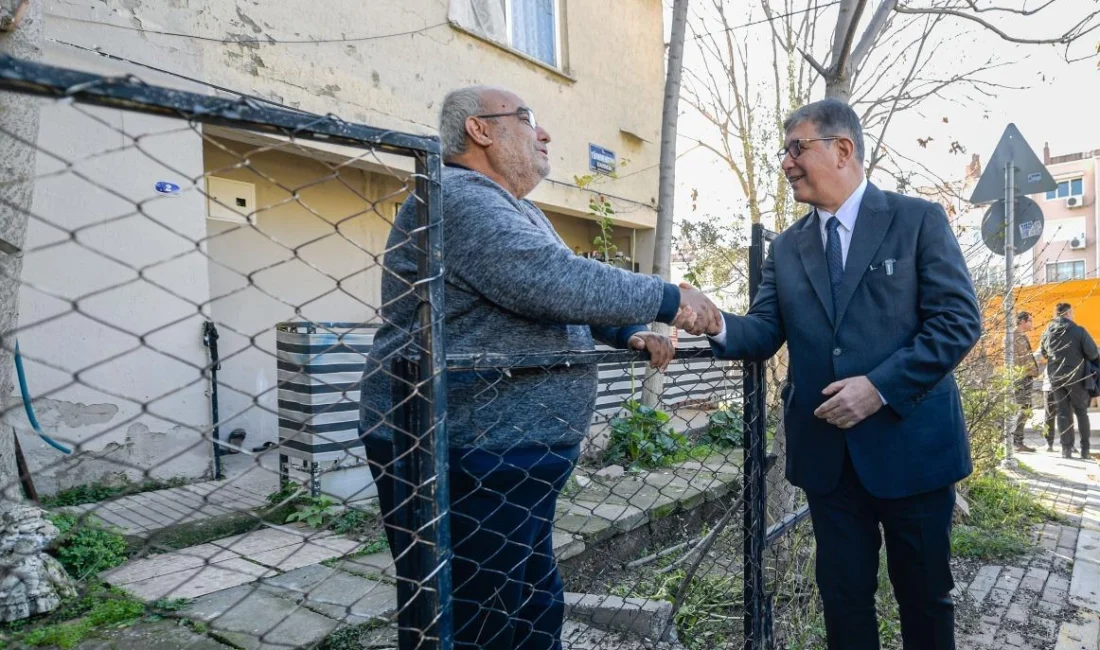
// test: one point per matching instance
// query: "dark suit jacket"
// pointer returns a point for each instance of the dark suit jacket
(905, 331)
(1067, 345)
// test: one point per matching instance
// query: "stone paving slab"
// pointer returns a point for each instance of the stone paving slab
(144, 514)
(255, 619)
(1085, 586)
(228, 562)
(1080, 635)
(157, 635)
(191, 583)
(341, 596)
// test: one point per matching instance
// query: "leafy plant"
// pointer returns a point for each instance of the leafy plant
(643, 438)
(352, 521)
(725, 429)
(290, 493)
(315, 512)
(86, 548)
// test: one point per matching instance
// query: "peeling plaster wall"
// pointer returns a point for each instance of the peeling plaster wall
(613, 52)
(110, 308)
(141, 408)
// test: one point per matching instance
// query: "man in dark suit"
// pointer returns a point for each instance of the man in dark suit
(1067, 346)
(872, 297)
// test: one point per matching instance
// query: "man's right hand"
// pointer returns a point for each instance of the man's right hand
(697, 315)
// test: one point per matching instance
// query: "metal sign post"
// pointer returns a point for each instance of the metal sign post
(1013, 156)
(1010, 307)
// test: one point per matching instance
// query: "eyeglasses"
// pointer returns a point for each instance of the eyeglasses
(523, 113)
(795, 147)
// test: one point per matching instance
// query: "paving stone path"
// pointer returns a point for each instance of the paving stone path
(1048, 600)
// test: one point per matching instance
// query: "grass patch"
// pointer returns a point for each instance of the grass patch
(96, 492)
(98, 608)
(1002, 513)
(711, 614)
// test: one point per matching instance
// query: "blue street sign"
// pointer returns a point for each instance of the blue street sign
(601, 160)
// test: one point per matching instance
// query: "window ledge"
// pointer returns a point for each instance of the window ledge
(511, 50)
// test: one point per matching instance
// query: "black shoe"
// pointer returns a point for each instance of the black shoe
(1067, 453)
(1085, 454)
(1050, 446)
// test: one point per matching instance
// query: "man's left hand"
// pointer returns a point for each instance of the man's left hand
(660, 348)
(850, 402)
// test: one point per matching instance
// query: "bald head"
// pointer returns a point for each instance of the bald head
(490, 130)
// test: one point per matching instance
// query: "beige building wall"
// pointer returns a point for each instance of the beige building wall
(308, 254)
(1065, 223)
(386, 63)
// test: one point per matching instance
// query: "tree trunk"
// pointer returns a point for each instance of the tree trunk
(838, 86)
(662, 245)
(18, 126)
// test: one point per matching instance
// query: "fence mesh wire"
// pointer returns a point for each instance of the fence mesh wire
(201, 283)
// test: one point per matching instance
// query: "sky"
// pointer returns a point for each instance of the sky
(1057, 102)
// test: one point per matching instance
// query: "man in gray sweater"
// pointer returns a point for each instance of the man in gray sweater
(511, 286)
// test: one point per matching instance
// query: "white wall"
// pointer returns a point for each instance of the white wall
(109, 261)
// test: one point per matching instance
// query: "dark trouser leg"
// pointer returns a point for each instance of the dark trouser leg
(1065, 418)
(1081, 411)
(848, 543)
(380, 461)
(1023, 400)
(918, 551)
(1051, 416)
(542, 611)
(498, 518)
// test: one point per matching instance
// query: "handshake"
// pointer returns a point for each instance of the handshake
(697, 314)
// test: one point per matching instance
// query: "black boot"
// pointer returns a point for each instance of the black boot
(1067, 452)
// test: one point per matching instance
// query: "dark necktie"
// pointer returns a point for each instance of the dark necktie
(834, 257)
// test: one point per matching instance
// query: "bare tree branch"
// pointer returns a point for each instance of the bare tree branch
(870, 35)
(813, 62)
(1069, 36)
(912, 71)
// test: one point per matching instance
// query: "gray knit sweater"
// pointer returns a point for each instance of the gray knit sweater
(511, 286)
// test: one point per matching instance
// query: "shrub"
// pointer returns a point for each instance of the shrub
(725, 429)
(86, 548)
(643, 438)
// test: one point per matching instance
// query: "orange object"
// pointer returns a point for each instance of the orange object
(1039, 300)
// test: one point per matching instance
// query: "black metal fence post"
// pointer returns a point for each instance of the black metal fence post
(431, 454)
(757, 630)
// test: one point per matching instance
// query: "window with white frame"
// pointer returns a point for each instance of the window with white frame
(529, 26)
(1060, 271)
(1068, 188)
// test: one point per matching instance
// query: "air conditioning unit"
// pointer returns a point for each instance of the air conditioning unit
(1075, 201)
(1077, 242)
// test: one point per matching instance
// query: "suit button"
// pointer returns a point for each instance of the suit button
(836, 352)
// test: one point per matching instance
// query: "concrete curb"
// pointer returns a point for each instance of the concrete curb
(645, 618)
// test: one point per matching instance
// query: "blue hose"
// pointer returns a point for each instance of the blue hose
(29, 408)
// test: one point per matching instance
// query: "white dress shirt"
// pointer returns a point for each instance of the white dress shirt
(847, 214)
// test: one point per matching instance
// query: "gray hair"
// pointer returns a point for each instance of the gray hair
(458, 105)
(830, 117)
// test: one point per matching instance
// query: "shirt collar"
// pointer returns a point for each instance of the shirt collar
(848, 211)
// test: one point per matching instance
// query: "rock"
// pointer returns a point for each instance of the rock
(962, 508)
(611, 473)
(582, 480)
(31, 582)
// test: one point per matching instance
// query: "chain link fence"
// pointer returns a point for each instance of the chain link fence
(199, 294)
